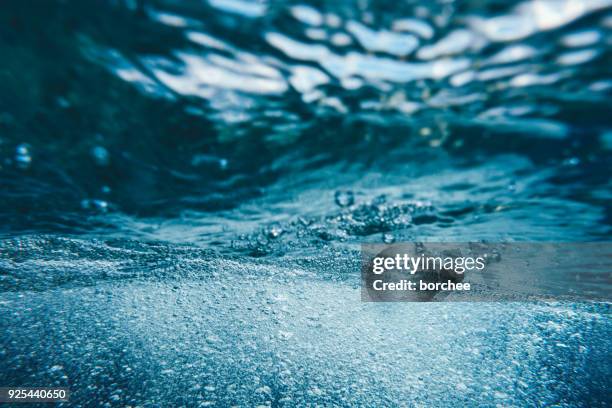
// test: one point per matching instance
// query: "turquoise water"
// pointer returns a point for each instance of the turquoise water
(184, 187)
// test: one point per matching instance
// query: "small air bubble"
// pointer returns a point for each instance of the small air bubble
(100, 155)
(98, 205)
(344, 198)
(63, 102)
(223, 164)
(23, 159)
(572, 161)
(274, 231)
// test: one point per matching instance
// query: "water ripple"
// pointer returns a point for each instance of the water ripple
(206, 106)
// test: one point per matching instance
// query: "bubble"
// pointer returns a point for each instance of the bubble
(100, 155)
(274, 231)
(205, 160)
(388, 238)
(492, 257)
(23, 159)
(572, 161)
(22, 149)
(344, 198)
(425, 131)
(63, 102)
(94, 204)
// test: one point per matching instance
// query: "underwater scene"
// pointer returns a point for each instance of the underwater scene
(185, 187)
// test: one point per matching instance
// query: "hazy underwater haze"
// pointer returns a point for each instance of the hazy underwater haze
(185, 185)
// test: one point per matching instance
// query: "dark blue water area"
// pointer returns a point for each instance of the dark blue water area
(184, 186)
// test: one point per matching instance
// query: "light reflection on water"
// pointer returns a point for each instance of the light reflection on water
(353, 53)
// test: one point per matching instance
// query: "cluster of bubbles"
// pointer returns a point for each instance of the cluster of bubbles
(375, 219)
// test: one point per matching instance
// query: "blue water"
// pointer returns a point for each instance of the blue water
(184, 187)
